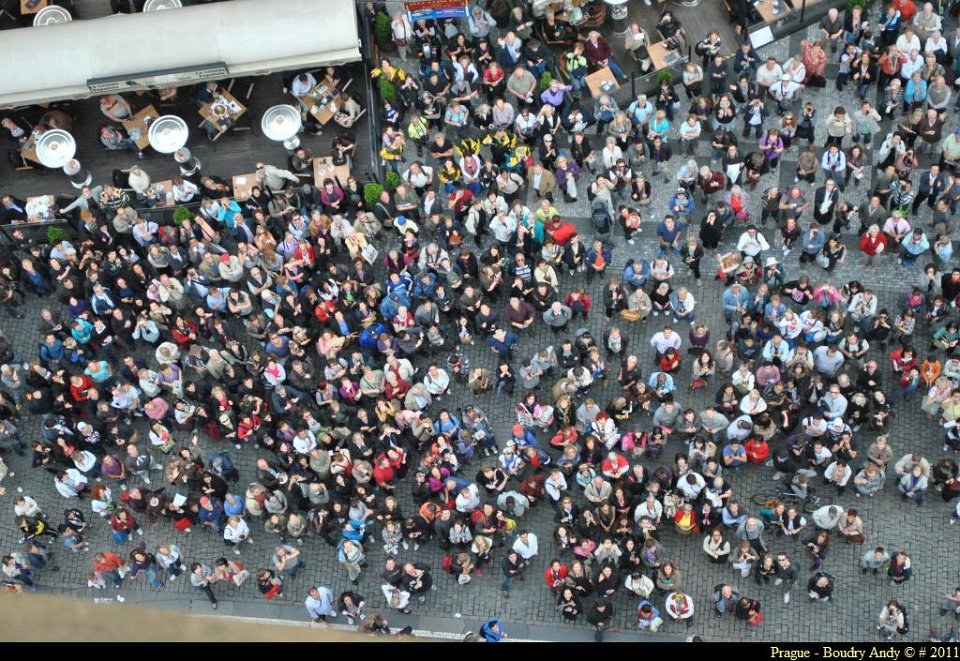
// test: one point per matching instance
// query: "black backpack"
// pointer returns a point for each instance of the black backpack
(905, 629)
(601, 219)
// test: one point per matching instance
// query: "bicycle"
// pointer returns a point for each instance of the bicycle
(808, 504)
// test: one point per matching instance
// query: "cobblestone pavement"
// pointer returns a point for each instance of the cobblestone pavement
(924, 533)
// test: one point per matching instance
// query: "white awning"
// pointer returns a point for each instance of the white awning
(250, 37)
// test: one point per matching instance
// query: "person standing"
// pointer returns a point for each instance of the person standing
(786, 575)
(319, 603)
(350, 555)
(513, 567)
(201, 578)
(417, 580)
(601, 617)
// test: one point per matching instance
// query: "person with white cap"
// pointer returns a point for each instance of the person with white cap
(773, 274)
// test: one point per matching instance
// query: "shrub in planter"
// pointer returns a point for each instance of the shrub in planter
(55, 235)
(388, 91)
(664, 75)
(382, 31)
(181, 214)
(545, 80)
(371, 194)
(393, 180)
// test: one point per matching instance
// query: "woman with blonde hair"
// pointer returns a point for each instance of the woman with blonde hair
(938, 393)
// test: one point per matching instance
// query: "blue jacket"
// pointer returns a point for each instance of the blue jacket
(502, 347)
(48, 352)
(425, 289)
(592, 256)
(636, 272)
(214, 515)
(685, 210)
(816, 245)
(489, 634)
(525, 440)
(731, 301)
(368, 338)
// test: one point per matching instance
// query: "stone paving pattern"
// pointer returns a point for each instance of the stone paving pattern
(923, 532)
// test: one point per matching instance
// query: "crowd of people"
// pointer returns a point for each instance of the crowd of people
(347, 347)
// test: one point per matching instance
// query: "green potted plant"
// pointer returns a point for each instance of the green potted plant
(388, 91)
(545, 80)
(383, 32)
(55, 235)
(393, 180)
(181, 214)
(371, 194)
(664, 75)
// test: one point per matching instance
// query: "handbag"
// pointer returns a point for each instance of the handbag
(241, 577)
(630, 315)
(273, 592)
(823, 260)
(183, 525)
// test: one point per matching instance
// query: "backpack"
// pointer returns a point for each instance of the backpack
(601, 219)
(447, 563)
(905, 629)
(701, 48)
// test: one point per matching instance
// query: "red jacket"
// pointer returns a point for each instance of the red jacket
(907, 9)
(555, 579)
(561, 232)
(583, 300)
(111, 561)
(123, 526)
(873, 245)
(81, 393)
(757, 451)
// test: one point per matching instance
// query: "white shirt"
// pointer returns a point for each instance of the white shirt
(752, 245)
(528, 550)
(767, 77)
(662, 343)
(299, 89)
(238, 534)
(324, 605)
(911, 65)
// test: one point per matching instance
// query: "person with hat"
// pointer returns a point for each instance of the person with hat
(773, 275)
(681, 203)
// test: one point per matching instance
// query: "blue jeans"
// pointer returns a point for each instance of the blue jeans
(507, 582)
(578, 82)
(153, 578)
(616, 70)
(114, 576)
(121, 537)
